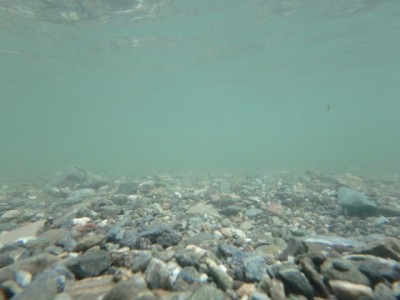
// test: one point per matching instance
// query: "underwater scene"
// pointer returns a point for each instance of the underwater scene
(173, 150)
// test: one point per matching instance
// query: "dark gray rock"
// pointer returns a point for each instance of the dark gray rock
(296, 282)
(341, 269)
(231, 210)
(164, 236)
(92, 263)
(157, 275)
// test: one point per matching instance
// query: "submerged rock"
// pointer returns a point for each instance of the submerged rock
(356, 203)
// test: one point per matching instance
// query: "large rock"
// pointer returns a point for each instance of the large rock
(356, 203)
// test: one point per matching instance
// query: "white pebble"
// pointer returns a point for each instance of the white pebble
(80, 221)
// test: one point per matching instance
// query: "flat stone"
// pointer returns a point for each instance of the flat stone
(92, 288)
(345, 290)
(23, 232)
(203, 209)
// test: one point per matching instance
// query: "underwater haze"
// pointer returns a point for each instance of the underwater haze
(170, 85)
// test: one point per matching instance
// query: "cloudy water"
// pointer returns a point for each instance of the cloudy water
(148, 86)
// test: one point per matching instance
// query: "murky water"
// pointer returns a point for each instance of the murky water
(186, 85)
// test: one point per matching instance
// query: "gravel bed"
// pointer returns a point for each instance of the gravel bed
(278, 235)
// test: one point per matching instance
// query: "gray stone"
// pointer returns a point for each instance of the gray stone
(253, 212)
(34, 265)
(132, 289)
(296, 282)
(186, 258)
(188, 280)
(376, 268)
(89, 241)
(162, 235)
(157, 275)
(208, 292)
(140, 260)
(130, 238)
(91, 263)
(254, 268)
(221, 278)
(356, 203)
(343, 270)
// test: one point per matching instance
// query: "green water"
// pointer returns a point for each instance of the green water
(197, 85)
